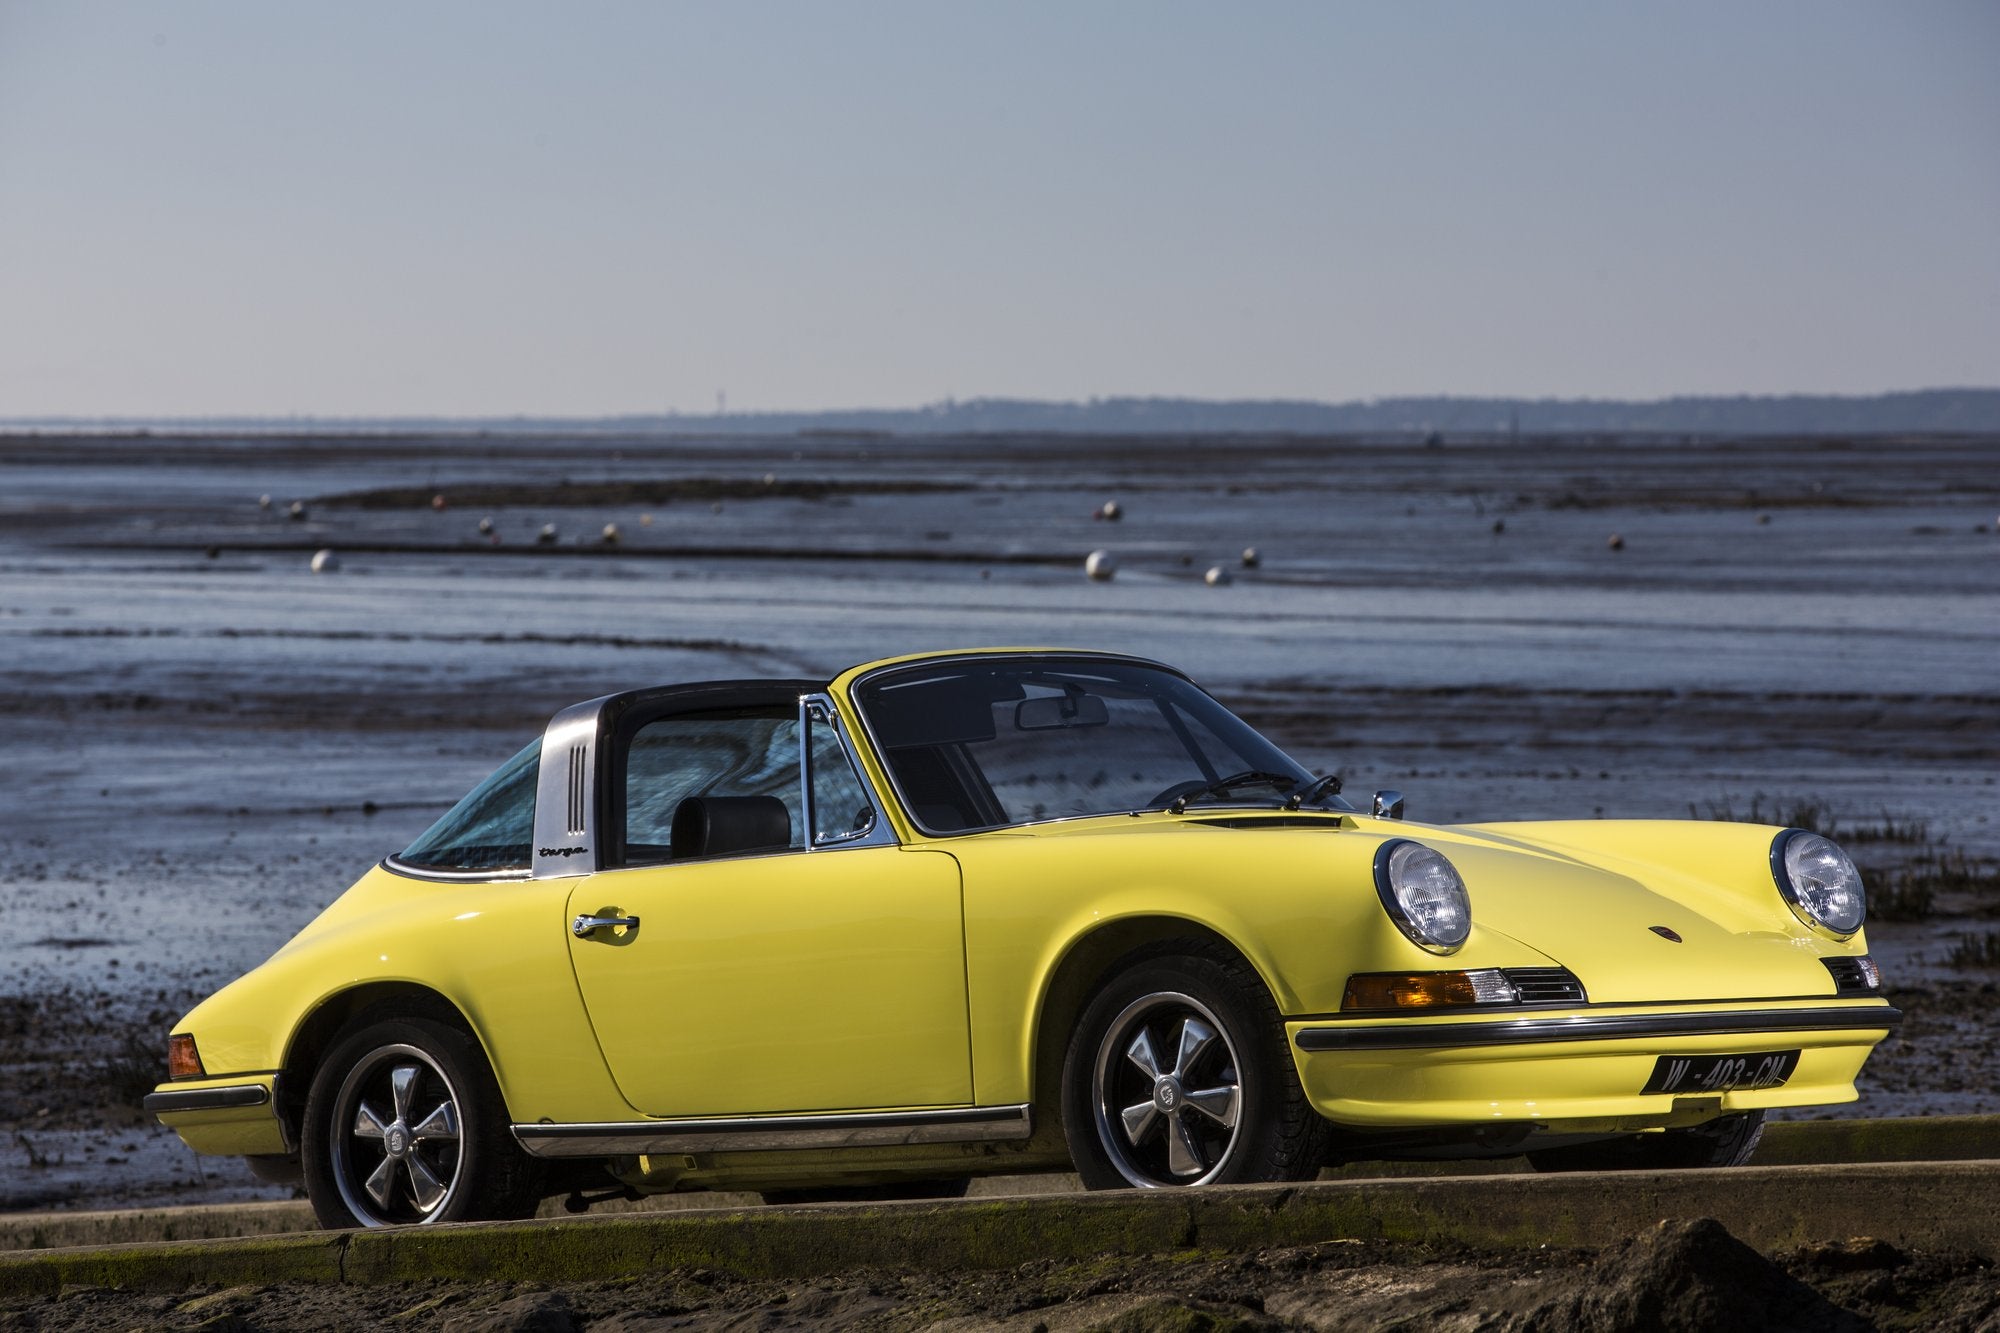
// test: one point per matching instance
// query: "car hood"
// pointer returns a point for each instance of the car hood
(1586, 894)
(1601, 896)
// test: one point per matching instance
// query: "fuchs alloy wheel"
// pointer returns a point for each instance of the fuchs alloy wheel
(1178, 1074)
(404, 1126)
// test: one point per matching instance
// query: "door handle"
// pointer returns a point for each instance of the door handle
(583, 926)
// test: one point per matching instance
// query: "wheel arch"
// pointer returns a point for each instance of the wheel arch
(1089, 961)
(319, 1030)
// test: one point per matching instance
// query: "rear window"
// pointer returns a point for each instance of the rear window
(493, 828)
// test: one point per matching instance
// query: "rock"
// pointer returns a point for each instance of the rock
(1689, 1275)
(536, 1312)
(1100, 565)
(1499, 526)
(325, 561)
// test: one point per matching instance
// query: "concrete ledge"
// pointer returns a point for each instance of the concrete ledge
(1937, 1138)
(1786, 1143)
(1931, 1206)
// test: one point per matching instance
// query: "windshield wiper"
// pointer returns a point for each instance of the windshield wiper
(1308, 795)
(1223, 787)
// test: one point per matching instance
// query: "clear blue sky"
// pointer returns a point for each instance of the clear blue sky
(485, 208)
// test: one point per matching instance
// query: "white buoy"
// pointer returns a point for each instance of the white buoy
(1110, 511)
(1216, 576)
(325, 561)
(611, 534)
(263, 502)
(298, 511)
(486, 527)
(1251, 559)
(1617, 543)
(547, 536)
(1100, 565)
(645, 520)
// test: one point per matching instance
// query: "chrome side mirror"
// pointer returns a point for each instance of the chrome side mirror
(1387, 804)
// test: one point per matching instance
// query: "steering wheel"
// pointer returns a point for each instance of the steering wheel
(1197, 787)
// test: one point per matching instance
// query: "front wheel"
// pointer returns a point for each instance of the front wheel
(1725, 1141)
(404, 1125)
(1178, 1074)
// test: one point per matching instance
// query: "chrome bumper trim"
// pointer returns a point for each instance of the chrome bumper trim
(961, 1124)
(1594, 1027)
(206, 1099)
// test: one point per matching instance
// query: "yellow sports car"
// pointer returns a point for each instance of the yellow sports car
(1002, 911)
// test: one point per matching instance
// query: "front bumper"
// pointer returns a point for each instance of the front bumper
(1575, 1070)
(233, 1115)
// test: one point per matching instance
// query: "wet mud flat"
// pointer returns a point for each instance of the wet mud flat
(1678, 1275)
(207, 742)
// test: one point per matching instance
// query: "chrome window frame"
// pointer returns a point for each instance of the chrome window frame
(878, 833)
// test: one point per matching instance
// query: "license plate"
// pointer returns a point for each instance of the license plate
(1721, 1073)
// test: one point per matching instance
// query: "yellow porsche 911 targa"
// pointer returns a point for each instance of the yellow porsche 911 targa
(1002, 911)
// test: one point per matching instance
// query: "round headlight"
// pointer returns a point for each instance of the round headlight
(1819, 882)
(1423, 895)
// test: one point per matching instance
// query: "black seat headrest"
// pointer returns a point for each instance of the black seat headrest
(721, 825)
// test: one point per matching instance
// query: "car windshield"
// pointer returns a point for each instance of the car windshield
(984, 743)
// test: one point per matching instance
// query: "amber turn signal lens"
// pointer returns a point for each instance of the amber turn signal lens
(1409, 990)
(183, 1060)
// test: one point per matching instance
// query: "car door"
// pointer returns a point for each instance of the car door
(774, 968)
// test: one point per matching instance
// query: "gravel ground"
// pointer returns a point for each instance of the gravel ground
(1681, 1275)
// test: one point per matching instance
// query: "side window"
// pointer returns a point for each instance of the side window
(493, 828)
(743, 764)
(842, 811)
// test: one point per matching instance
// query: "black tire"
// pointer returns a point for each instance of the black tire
(404, 1126)
(903, 1189)
(1224, 1107)
(1728, 1140)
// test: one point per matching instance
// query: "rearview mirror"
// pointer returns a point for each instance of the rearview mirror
(1056, 712)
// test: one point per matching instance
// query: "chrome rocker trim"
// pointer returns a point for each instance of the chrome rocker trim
(206, 1099)
(1595, 1027)
(959, 1124)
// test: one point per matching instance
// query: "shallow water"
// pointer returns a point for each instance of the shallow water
(225, 710)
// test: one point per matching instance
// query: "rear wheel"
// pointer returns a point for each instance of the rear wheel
(1725, 1141)
(404, 1125)
(1178, 1074)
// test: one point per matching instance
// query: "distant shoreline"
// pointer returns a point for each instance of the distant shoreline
(1948, 411)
